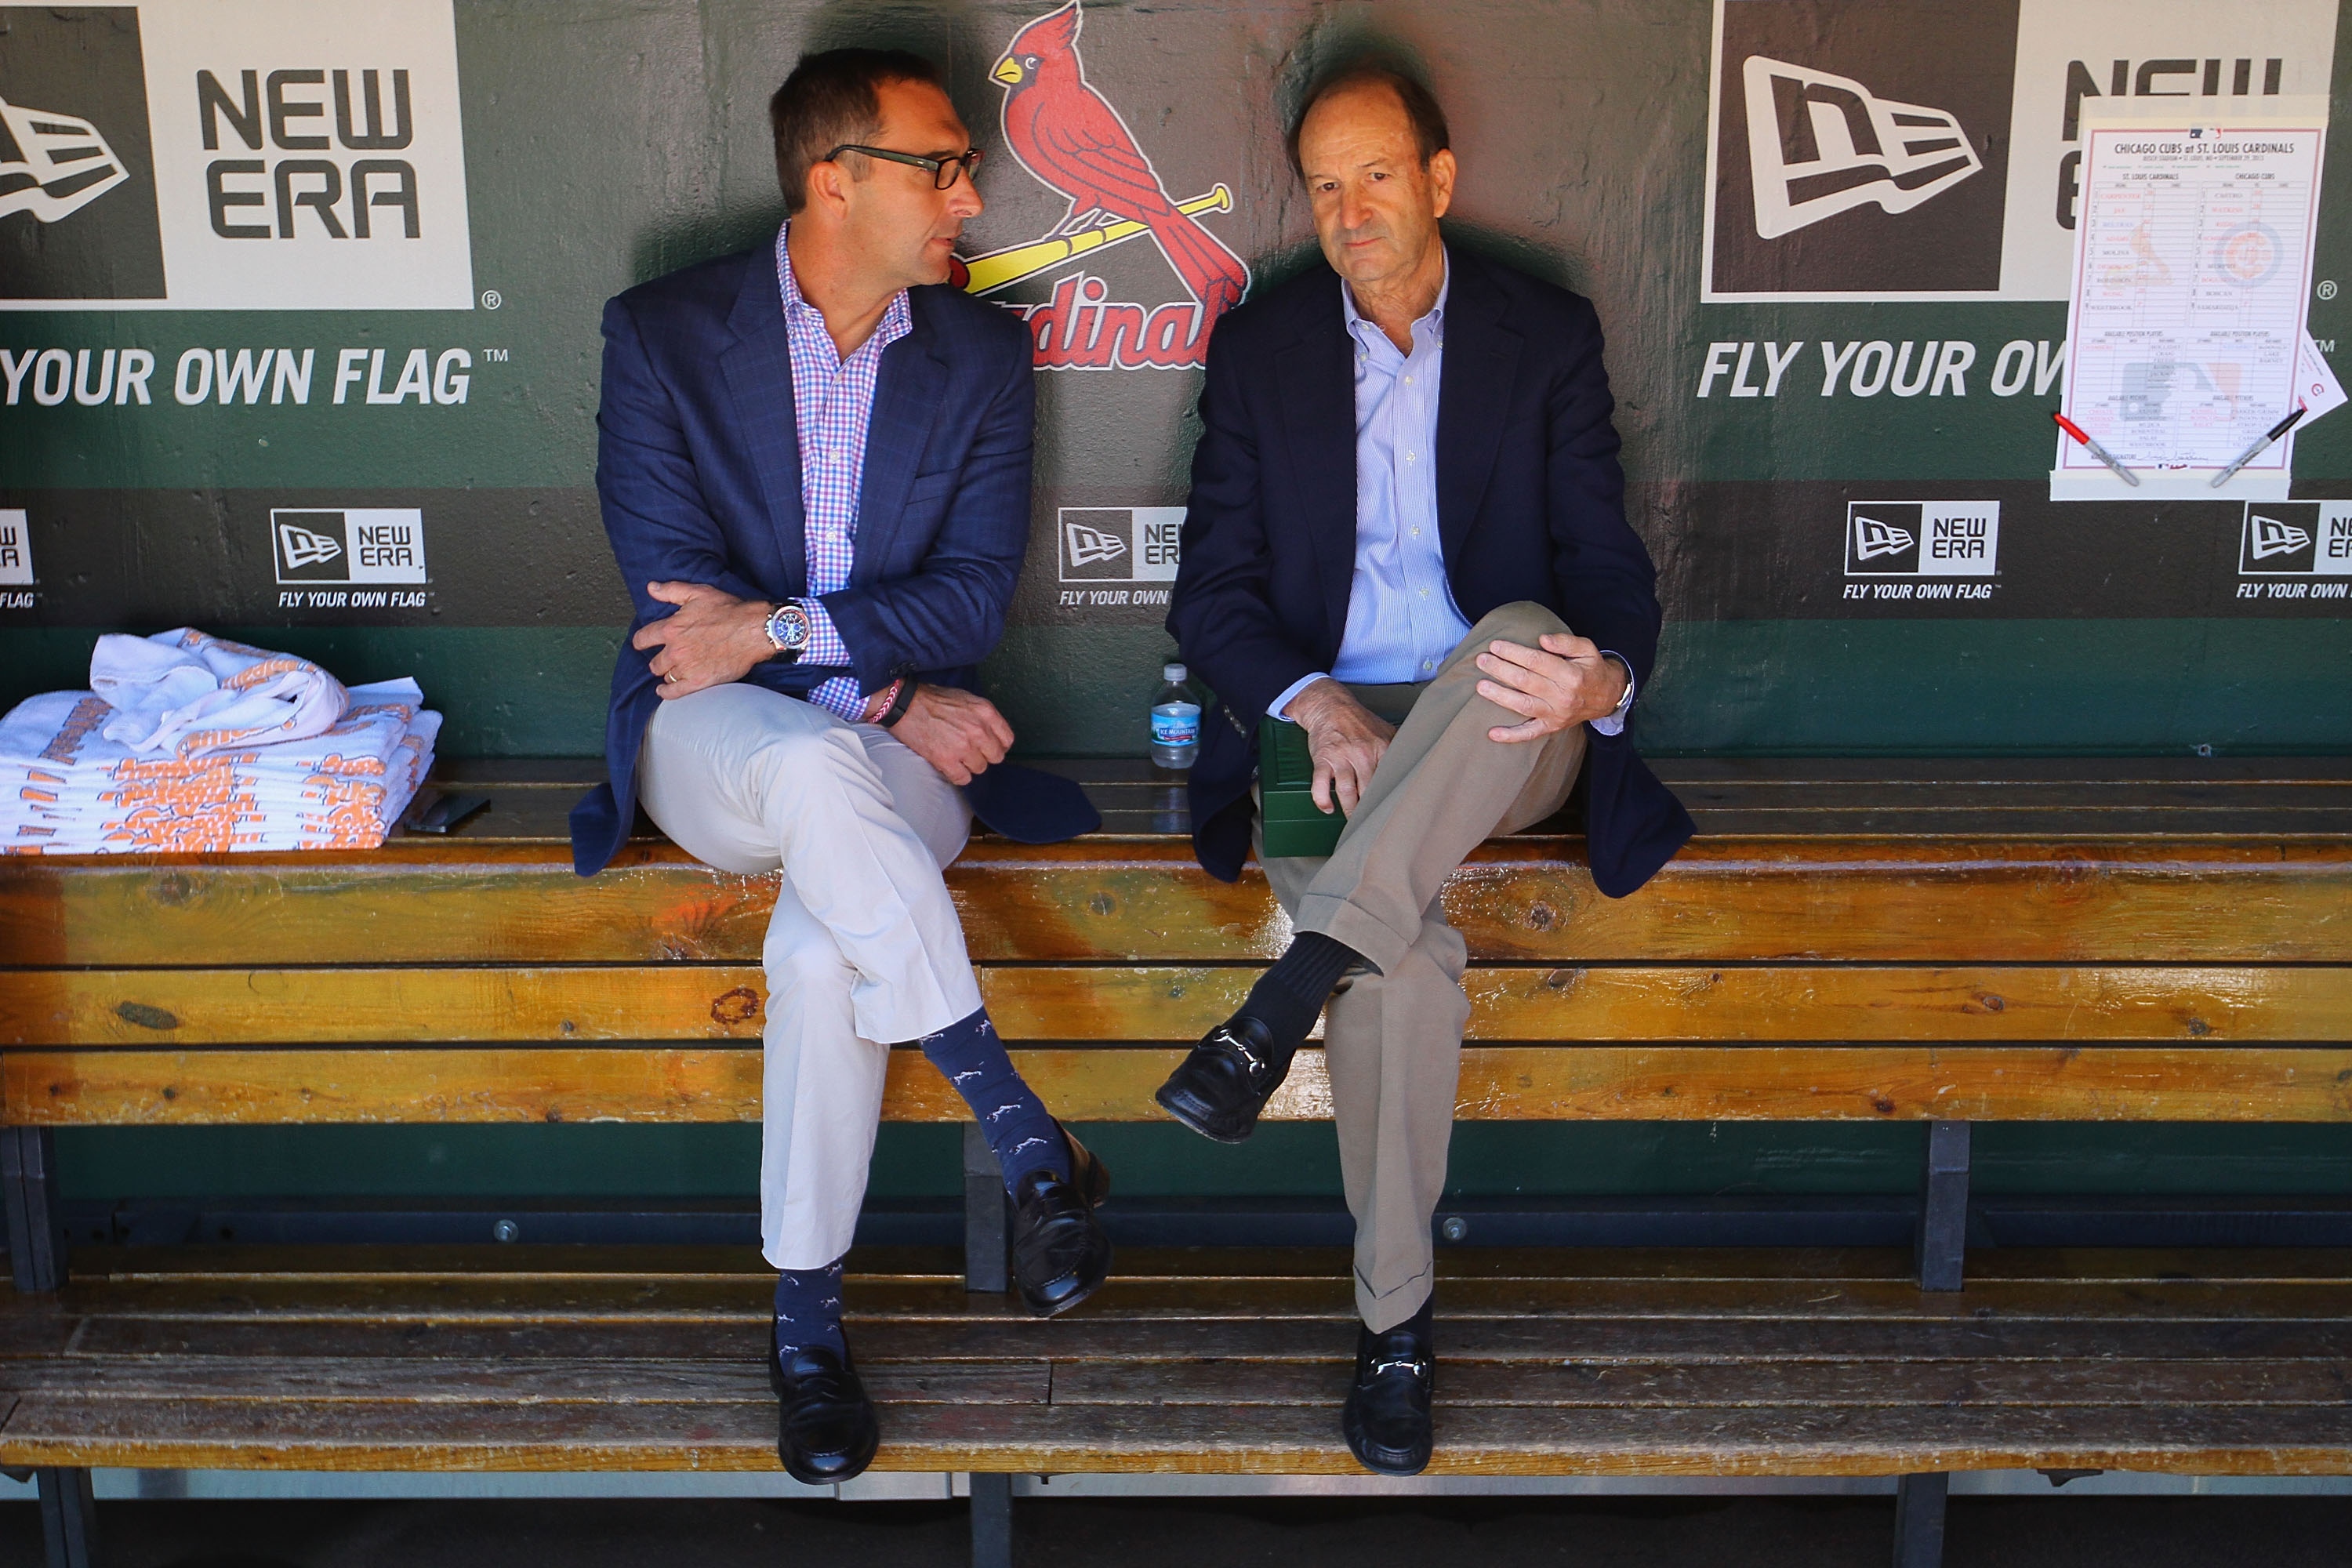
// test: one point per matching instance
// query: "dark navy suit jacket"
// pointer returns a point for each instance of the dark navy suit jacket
(697, 466)
(1530, 505)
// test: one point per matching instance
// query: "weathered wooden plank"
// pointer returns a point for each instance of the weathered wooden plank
(1603, 1082)
(2071, 773)
(2052, 821)
(32, 1327)
(577, 1299)
(1522, 1341)
(1578, 1384)
(52, 1429)
(1174, 1267)
(584, 1380)
(2184, 1004)
(326, 1404)
(1981, 900)
(1575, 1385)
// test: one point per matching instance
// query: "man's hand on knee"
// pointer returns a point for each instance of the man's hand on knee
(955, 732)
(1566, 681)
(712, 637)
(1345, 737)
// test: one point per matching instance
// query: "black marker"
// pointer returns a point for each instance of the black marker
(2251, 453)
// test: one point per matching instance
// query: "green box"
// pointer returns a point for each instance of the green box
(1291, 824)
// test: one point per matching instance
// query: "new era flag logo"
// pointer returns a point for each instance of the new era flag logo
(1820, 144)
(1090, 546)
(2268, 536)
(52, 165)
(2297, 539)
(1873, 538)
(300, 547)
(1923, 539)
(349, 545)
(1121, 543)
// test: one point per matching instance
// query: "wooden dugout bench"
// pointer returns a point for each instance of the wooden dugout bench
(1885, 941)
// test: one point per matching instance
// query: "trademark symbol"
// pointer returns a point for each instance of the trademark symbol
(495, 356)
(490, 300)
(2327, 289)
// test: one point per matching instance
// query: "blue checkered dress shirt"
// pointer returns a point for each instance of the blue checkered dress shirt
(832, 410)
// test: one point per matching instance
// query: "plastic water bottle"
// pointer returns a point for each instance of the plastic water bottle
(1175, 720)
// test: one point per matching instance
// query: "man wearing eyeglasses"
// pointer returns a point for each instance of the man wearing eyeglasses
(1407, 537)
(814, 462)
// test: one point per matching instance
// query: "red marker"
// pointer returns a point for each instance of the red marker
(2096, 451)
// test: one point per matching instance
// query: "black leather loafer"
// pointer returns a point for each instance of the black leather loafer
(1061, 1254)
(1219, 1088)
(826, 1430)
(1386, 1419)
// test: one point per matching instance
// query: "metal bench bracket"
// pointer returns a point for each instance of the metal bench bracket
(1919, 1520)
(1943, 1211)
(987, 1232)
(37, 1243)
(992, 1521)
(68, 1517)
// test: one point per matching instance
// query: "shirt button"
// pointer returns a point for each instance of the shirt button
(1424, 593)
(1408, 381)
(1426, 664)
(1409, 457)
(1416, 533)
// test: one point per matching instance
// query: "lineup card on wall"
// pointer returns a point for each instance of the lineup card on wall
(2193, 266)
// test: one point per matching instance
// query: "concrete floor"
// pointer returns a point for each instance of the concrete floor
(1750, 1532)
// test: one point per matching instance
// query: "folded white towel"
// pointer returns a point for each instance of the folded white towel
(185, 693)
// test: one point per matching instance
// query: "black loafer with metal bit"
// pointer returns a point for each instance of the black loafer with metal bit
(1387, 1419)
(1061, 1254)
(827, 1430)
(1220, 1088)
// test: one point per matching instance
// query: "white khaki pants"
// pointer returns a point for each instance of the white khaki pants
(864, 949)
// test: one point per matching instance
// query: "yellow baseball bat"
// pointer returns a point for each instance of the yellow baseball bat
(1000, 269)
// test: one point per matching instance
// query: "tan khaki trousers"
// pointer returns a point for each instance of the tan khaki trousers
(863, 947)
(1392, 1041)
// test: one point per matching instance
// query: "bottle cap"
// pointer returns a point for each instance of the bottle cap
(1172, 672)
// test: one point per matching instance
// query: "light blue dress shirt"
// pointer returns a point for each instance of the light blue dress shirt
(1403, 621)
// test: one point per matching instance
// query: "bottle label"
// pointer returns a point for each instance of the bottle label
(1179, 728)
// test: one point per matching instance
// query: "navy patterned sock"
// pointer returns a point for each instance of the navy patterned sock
(1014, 1121)
(808, 1310)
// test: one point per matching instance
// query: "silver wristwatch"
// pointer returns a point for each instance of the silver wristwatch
(1624, 703)
(788, 630)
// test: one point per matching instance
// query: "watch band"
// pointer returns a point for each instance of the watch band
(899, 704)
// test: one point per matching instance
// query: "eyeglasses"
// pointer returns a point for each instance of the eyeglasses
(943, 170)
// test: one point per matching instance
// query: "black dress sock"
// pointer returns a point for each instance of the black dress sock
(1422, 1324)
(808, 1310)
(1289, 997)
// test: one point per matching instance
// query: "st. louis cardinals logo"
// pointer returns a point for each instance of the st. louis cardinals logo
(1075, 143)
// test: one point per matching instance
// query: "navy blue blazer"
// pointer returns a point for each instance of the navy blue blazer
(698, 468)
(1530, 505)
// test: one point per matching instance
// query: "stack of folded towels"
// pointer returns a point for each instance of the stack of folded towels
(190, 744)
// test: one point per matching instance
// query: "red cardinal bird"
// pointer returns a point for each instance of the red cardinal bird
(1069, 136)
